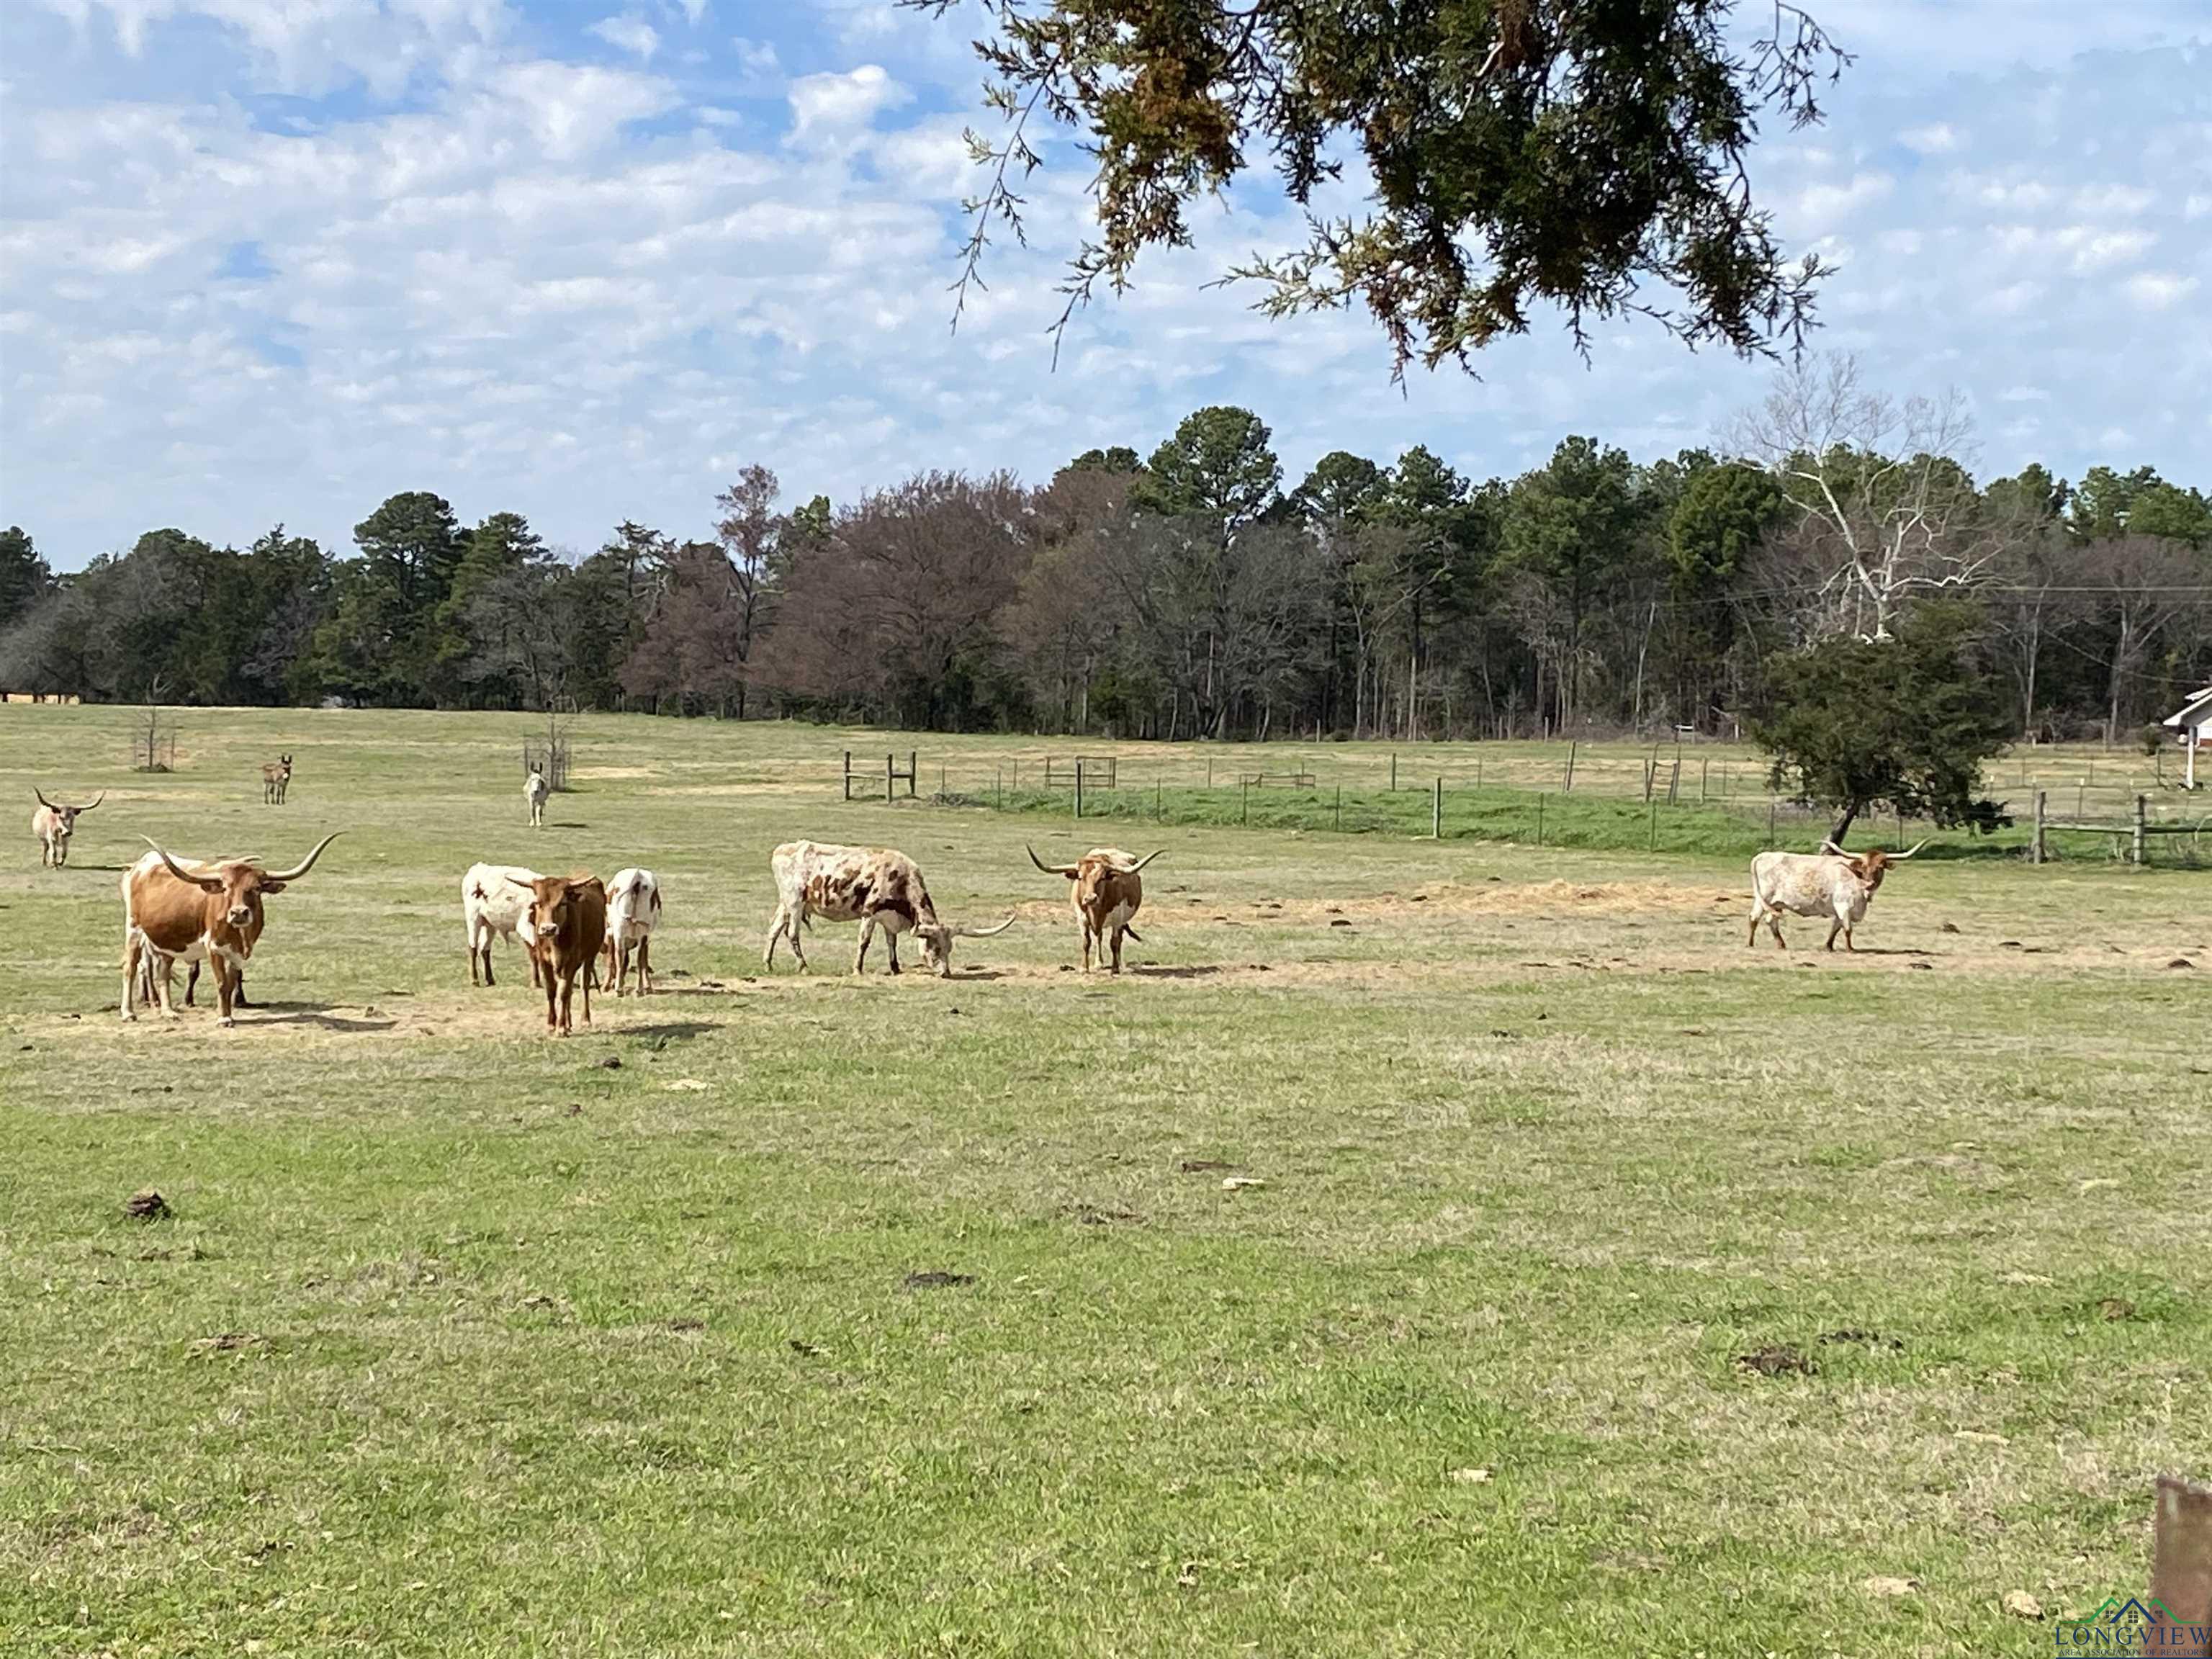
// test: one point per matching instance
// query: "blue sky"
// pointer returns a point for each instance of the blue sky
(583, 259)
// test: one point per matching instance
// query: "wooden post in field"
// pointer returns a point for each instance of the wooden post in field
(1478, 771)
(1394, 771)
(1245, 813)
(1651, 767)
(1651, 840)
(999, 787)
(1703, 765)
(1567, 783)
(2036, 853)
(848, 775)
(1436, 812)
(1675, 780)
(890, 777)
(1340, 809)
(1079, 786)
(913, 772)
(1209, 771)
(2181, 1568)
(2142, 804)
(1159, 808)
(1540, 819)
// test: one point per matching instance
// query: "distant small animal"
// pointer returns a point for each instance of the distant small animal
(633, 911)
(1830, 883)
(275, 778)
(569, 922)
(1107, 892)
(494, 905)
(208, 911)
(53, 825)
(535, 789)
(875, 886)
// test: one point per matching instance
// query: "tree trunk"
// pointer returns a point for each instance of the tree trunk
(1844, 823)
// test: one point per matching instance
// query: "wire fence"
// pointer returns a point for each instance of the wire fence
(1661, 798)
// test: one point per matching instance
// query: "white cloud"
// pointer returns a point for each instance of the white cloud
(2156, 290)
(832, 105)
(757, 57)
(694, 12)
(2094, 249)
(1938, 138)
(629, 32)
(1817, 205)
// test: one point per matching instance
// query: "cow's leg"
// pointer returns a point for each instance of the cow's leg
(1758, 916)
(1835, 927)
(225, 988)
(191, 980)
(867, 933)
(552, 1001)
(645, 966)
(1117, 949)
(591, 974)
(132, 946)
(891, 937)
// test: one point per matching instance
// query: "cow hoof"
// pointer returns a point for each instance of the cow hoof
(226, 1022)
(128, 1018)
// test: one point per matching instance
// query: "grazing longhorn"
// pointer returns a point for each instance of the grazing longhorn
(874, 886)
(275, 777)
(53, 825)
(633, 911)
(535, 789)
(1830, 883)
(210, 911)
(492, 907)
(568, 919)
(1107, 891)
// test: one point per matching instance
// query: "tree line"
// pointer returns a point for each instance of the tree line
(1193, 593)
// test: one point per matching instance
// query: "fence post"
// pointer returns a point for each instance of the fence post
(890, 777)
(2036, 854)
(848, 775)
(1079, 786)
(1539, 817)
(1394, 771)
(1567, 786)
(1703, 765)
(2142, 803)
(1675, 780)
(1436, 812)
(1245, 815)
(1651, 840)
(912, 771)
(999, 787)
(1340, 809)
(1159, 806)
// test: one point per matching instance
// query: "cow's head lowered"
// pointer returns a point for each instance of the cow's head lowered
(1871, 866)
(937, 938)
(56, 823)
(233, 890)
(556, 901)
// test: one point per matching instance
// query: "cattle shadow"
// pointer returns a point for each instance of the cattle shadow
(672, 1031)
(317, 1014)
(563, 824)
(1205, 970)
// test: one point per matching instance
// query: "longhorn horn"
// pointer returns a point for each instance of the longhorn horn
(205, 883)
(1146, 860)
(982, 933)
(50, 807)
(306, 864)
(1068, 870)
(94, 802)
(1899, 858)
(1830, 847)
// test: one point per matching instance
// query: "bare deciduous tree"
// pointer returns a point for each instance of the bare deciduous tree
(1878, 489)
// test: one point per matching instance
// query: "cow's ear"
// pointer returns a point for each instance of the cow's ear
(266, 887)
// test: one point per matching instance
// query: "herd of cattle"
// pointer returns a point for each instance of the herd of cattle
(577, 927)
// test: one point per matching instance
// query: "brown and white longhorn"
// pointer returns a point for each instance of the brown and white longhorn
(209, 911)
(1107, 892)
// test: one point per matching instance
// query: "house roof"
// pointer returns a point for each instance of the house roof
(2196, 712)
